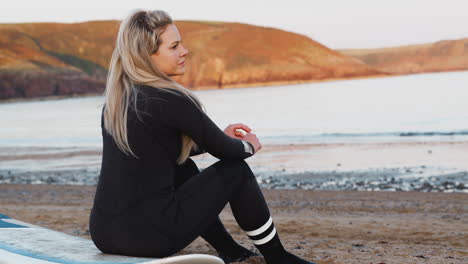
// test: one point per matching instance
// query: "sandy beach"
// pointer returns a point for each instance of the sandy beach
(339, 227)
(341, 203)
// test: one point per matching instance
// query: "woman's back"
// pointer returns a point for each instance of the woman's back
(124, 179)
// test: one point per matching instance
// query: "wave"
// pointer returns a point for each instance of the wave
(366, 137)
(454, 133)
(397, 134)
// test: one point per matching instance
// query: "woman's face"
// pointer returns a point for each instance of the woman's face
(170, 57)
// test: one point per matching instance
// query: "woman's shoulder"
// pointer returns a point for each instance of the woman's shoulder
(149, 92)
(159, 99)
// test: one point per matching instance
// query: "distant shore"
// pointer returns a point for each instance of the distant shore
(329, 227)
(201, 88)
(47, 98)
(235, 86)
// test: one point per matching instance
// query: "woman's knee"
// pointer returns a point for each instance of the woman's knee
(232, 164)
(238, 169)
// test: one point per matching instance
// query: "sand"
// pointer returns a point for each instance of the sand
(325, 226)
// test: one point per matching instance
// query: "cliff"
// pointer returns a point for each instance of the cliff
(42, 59)
(446, 55)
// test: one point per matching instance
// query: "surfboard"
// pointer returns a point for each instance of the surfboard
(21, 242)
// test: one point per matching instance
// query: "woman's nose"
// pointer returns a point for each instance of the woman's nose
(184, 51)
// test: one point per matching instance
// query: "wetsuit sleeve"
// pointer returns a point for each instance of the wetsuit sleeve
(179, 112)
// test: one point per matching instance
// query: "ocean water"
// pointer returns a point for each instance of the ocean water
(406, 108)
(368, 134)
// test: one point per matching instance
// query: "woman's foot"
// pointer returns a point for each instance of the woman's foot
(241, 254)
(228, 249)
(288, 258)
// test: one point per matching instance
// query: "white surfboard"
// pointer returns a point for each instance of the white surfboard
(22, 242)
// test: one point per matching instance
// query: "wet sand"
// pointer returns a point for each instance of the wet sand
(339, 227)
(408, 166)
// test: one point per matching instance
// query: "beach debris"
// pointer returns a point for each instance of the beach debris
(419, 178)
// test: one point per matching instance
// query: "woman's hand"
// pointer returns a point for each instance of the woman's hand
(235, 130)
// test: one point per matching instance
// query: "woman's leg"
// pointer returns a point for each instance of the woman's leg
(215, 234)
(203, 196)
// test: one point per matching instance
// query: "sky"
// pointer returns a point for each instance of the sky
(338, 24)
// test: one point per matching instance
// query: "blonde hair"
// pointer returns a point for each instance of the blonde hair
(139, 36)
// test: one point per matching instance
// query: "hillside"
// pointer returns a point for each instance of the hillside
(42, 59)
(447, 55)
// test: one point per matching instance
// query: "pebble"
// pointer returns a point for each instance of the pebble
(384, 179)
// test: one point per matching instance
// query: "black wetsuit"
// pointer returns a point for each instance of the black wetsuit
(150, 206)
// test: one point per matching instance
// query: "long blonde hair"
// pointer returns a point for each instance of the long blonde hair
(139, 36)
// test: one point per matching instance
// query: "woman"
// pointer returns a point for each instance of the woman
(151, 200)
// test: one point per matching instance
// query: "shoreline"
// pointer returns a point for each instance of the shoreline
(238, 86)
(431, 166)
(202, 88)
(329, 227)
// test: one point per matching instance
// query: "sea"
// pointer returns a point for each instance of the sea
(59, 141)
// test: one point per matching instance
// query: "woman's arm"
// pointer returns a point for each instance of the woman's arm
(179, 112)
